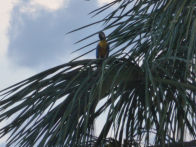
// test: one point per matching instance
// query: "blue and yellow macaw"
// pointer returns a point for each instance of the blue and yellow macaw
(102, 50)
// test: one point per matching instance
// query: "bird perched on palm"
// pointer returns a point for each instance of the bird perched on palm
(102, 50)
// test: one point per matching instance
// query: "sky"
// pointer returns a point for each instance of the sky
(33, 35)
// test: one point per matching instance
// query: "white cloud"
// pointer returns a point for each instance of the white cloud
(103, 2)
(5, 16)
(6, 8)
(49, 5)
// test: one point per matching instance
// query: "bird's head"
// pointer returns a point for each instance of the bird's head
(102, 36)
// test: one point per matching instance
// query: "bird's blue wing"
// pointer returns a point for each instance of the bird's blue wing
(108, 50)
(97, 51)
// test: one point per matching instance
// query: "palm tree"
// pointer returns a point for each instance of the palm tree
(147, 86)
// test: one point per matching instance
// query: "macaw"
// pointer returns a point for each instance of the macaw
(102, 50)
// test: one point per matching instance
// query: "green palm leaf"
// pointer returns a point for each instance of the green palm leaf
(148, 84)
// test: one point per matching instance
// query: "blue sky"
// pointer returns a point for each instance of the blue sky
(44, 34)
(32, 35)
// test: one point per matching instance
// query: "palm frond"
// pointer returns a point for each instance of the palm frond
(148, 83)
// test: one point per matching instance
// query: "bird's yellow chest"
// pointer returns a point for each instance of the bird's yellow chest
(103, 47)
(103, 44)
